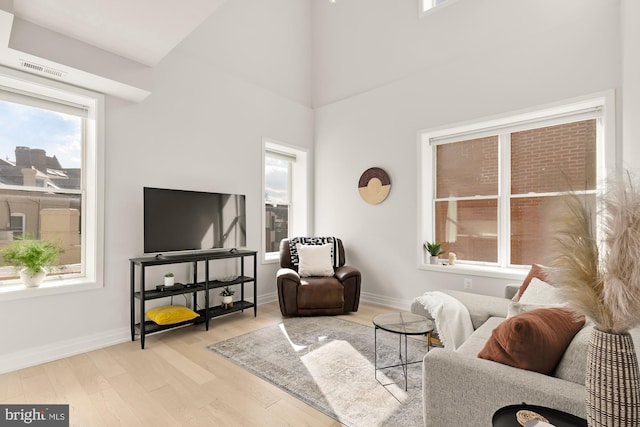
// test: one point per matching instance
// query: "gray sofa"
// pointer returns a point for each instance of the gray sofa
(459, 389)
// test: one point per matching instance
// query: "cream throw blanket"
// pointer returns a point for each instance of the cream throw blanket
(451, 317)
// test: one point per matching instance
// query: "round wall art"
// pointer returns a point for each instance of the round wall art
(374, 185)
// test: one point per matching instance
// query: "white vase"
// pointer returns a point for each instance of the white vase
(227, 299)
(32, 280)
(612, 381)
(433, 259)
(168, 281)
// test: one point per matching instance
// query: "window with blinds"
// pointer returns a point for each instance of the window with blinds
(48, 172)
(285, 195)
(277, 204)
(492, 191)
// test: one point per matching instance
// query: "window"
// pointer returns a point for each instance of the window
(277, 193)
(285, 195)
(491, 189)
(50, 145)
(427, 5)
(16, 227)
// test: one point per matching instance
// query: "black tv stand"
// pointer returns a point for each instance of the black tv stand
(139, 290)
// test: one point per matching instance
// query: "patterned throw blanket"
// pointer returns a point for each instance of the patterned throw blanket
(314, 241)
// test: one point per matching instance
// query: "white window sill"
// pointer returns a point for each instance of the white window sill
(16, 290)
(271, 258)
(477, 270)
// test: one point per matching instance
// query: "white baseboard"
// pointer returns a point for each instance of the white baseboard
(385, 301)
(47, 353)
(267, 298)
(42, 354)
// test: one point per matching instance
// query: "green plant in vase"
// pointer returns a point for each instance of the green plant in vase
(435, 250)
(32, 257)
(227, 297)
(169, 279)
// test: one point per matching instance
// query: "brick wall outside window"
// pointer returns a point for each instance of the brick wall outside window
(545, 160)
(467, 168)
(556, 158)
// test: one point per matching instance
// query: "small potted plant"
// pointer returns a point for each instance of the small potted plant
(32, 257)
(168, 280)
(435, 250)
(227, 297)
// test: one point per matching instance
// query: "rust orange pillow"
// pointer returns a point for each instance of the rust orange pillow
(537, 271)
(535, 340)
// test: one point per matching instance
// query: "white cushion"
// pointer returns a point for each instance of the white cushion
(540, 293)
(516, 308)
(314, 260)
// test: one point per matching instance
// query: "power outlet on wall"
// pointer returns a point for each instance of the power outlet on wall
(468, 284)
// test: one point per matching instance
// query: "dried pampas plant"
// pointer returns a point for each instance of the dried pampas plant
(601, 278)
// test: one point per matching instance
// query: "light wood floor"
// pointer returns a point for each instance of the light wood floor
(175, 381)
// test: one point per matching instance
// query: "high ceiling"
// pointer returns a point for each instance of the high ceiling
(140, 30)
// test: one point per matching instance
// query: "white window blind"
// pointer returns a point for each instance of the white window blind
(518, 126)
(280, 155)
(30, 99)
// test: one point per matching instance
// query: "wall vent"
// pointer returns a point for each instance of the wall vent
(42, 69)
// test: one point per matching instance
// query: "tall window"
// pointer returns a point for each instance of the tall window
(277, 193)
(494, 188)
(285, 195)
(49, 168)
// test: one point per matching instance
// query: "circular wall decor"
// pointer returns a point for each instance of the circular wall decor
(374, 185)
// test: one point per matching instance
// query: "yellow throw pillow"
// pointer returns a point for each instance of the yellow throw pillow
(170, 314)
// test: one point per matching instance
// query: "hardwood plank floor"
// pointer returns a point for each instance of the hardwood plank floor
(175, 381)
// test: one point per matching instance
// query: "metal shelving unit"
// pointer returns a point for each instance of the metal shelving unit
(139, 293)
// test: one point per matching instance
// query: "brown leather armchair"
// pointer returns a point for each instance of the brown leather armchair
(317, 296)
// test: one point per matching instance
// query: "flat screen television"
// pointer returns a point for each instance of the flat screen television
(184, 221)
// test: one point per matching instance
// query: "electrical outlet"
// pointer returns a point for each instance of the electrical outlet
(468, 284)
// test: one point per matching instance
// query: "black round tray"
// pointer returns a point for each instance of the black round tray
(506, 417)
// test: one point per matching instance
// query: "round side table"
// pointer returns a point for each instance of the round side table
(506, 416)
(403, 324)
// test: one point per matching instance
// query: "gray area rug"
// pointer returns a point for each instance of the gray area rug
(329, 363)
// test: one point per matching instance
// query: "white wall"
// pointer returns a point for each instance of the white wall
(377, 76)
(630, 28)
(201, 129)
(384, 75)
(267, 43)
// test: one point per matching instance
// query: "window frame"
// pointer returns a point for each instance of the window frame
(290, 159)
(427, 7)
(298, 192)
(92, 189)
(606, 162)
(23, 219)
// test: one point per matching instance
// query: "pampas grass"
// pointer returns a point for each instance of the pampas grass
(601, 277)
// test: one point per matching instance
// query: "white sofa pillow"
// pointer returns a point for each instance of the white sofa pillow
(516, 308)
(540, 293)
(314, 260)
